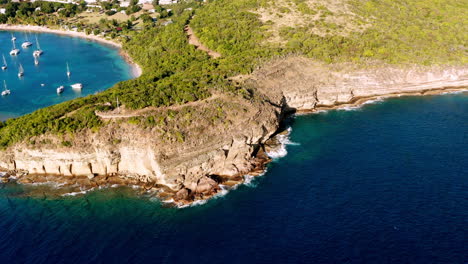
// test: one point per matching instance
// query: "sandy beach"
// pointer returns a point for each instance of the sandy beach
(136, 69)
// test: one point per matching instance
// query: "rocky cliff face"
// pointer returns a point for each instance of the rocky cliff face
(221, 136)
(216, 137)
(306, 85)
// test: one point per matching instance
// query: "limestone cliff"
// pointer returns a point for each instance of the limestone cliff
(214, 137)
(193, 147)
(304, 85)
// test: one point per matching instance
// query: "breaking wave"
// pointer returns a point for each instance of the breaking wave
(456, 92)
(77, 193)
(357, 107)
(281, 150)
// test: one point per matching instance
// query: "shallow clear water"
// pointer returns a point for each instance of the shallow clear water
(387, 183)
(95, 65)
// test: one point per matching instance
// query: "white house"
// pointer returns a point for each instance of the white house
(2, 10)
(168, 2)
(124, 3)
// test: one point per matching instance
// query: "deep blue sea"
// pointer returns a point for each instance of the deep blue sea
(386, 183)
(96, 66)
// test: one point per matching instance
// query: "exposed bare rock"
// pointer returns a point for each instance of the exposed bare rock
(225, 136)
(182, 194)
(216, 138)
(206, 185)
(304, 84)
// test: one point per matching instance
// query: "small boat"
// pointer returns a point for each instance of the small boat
(13, 38)
(42, 84)
(36, 61)
(77, 86)
(60, 89)
(27, 43)
(5, 91)
(68, 70)
(5, 66)
(14, 51)
(20, 71)
(38, 52)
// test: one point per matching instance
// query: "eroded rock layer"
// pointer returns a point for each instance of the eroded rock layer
(192, 148)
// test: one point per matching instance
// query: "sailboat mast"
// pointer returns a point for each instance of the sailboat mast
(37, 43)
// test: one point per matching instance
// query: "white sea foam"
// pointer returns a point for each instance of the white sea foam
(169, 201)
(77, 193)
(456, 92)
(281, 150)
(357, 107)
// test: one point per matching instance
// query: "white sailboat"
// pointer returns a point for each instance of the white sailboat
(38, 52)
(5, 91)
(77, 86)
(36, 61)
(14, 51)
(13, 38)
(27, 43)
(20, 71)
(68, 70)
(5, 66)
(60, 89)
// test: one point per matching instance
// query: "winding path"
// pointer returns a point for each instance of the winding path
(126, 113)
(193, 40)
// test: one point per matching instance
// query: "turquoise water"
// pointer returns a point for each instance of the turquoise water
(95, 65)
(387, 183)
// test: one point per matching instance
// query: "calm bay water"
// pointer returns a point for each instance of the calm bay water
(387, 183)
(95, 65)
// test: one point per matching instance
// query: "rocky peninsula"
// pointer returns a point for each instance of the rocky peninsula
(202, 116)
(220, 152)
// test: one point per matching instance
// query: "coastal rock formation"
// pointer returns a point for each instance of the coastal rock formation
(195, 146)
(180, 153)
(305, 85)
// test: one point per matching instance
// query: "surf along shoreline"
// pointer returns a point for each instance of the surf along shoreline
(165, 194)
(136, 69)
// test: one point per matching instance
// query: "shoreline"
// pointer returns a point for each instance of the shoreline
(166, 195)
(360, 101)
(136, 70)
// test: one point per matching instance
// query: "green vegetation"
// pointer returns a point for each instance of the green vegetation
(174, 73)
(406, 31)
(403, 31)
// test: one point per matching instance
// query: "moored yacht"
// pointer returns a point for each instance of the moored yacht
(5, 91)
(20, 71)
(14, 51)
(68, 70)
(36, 61)
(60, 89)
(27, 43)
(13, 38)
(4, 66)
(77, 86)
(38, 52)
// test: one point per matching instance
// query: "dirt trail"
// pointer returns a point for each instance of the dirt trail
(126, 113)
(193, 40)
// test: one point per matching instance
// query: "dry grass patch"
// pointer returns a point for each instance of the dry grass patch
(320, 17)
